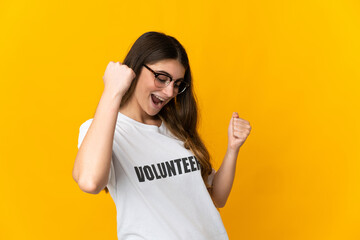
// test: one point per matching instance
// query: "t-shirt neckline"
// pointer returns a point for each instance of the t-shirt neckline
(140, 124)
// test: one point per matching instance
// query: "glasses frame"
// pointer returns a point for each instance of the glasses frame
(168, 81)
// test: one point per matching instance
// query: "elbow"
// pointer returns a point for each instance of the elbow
(89, 187)
(219, 203)
(85, 185)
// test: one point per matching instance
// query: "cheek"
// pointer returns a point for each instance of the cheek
(146, 84)
(143, 90)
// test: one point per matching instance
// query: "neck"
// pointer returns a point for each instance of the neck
(133, 110)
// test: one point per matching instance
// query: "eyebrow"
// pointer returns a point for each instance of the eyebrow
(161, 71)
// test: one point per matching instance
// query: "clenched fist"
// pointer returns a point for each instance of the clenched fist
(117, 78)
(238, 131)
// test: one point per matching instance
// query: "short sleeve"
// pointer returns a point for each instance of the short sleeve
(83, 130)
(211, 177)
(111, 180)
(82, 133)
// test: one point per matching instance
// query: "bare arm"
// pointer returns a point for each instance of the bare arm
(92, 163)
(223, 180)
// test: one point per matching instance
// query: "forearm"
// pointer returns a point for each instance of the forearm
(224, 178)
(92, 163)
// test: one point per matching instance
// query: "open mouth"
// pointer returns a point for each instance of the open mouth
(157, 101)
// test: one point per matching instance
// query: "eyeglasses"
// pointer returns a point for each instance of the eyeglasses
(162, 80)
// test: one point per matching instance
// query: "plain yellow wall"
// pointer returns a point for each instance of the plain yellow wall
(291, 68)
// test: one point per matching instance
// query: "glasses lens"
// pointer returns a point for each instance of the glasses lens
(182, 87)
(160, 80)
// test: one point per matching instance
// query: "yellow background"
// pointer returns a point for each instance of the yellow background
(291, 68)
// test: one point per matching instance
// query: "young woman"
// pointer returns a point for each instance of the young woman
(143, 147)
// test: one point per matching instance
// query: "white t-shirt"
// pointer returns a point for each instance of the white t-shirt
(157, 187)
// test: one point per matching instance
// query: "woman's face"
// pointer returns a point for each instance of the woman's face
(146, 91)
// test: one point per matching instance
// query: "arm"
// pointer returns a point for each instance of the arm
(92, 163)
(238, 131)
(224, 178)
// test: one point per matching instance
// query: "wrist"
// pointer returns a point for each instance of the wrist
(111, 100)
(116, 96)
(233, 150)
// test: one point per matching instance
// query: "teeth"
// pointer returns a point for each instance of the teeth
(159, 97)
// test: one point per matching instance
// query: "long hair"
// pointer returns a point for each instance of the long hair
(180, 114)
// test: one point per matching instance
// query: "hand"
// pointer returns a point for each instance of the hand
(238, 131)
(117, 78)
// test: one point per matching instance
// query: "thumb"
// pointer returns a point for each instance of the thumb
(234, 115)
(231, 127)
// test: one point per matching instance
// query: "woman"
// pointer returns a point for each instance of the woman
(143, 147)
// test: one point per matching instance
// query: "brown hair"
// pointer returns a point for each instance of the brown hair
(180, 115)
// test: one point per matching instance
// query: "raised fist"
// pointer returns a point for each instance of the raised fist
(117, 78)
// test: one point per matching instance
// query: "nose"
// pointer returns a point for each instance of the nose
(169, 90)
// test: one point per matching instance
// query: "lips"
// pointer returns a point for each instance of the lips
(157, 101)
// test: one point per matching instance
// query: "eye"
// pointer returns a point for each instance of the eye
(178, 83)
(162, 77)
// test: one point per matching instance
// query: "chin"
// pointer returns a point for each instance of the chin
(152, 114)
(151, 111)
